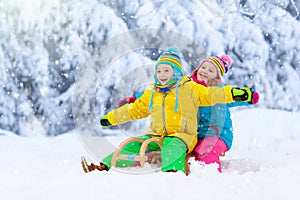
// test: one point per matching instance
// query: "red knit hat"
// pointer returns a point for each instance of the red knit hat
(222, 64)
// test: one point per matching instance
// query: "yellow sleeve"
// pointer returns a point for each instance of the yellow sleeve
(132, 111)
(209, 96)
(139, 109)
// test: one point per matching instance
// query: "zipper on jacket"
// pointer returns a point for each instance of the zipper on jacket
(185, 125)
(163, 114)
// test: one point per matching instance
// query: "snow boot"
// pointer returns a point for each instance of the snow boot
(88, 168)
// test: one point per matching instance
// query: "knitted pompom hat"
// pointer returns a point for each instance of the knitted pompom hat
(171, 56)
(222, 63)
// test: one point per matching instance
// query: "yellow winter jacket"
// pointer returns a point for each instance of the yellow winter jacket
(165, 121)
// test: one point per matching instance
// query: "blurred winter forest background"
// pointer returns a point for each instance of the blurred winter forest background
(45, 44)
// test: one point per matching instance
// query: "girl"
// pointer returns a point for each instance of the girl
(214, 123)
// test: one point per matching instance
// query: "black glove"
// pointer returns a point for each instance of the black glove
(242, 94)
(104, 121)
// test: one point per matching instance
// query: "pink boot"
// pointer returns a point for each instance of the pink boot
(209, 149)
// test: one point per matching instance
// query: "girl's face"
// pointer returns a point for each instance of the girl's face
(164, 73)
(207, 73)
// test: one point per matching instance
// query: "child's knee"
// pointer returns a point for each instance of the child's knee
(207, 158)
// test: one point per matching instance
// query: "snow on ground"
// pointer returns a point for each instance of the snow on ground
(265, 164)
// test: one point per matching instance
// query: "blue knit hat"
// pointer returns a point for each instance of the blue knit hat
(171, 56)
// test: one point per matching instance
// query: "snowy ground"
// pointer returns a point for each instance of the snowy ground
(265, 165)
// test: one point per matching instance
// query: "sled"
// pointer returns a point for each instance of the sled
(153, 157)
(144, 156)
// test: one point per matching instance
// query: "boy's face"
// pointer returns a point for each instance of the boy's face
(207, 72)
(164, 73)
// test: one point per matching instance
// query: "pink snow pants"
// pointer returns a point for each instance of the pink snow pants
(209, 149)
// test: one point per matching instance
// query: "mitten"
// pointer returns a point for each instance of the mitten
(104, 121)
(126, 101)
(255, 96)
(244, 94)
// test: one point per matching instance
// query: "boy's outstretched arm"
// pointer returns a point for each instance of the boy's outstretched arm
(254, 101)
(209, 96)
(104, 122)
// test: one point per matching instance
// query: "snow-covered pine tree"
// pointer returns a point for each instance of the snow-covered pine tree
(44, 44)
